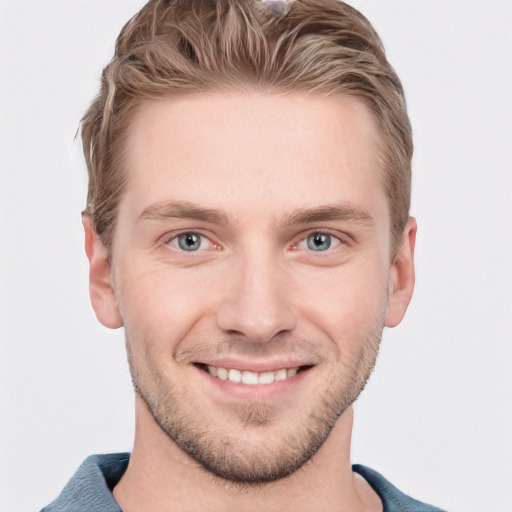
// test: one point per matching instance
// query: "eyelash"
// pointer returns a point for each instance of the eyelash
(339, 241)
(173, 241)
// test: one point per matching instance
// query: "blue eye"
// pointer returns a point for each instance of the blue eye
(319, 242)
(189, 242)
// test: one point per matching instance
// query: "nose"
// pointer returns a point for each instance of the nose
(255, 300)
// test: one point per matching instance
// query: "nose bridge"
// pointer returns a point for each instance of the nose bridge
(256, 302)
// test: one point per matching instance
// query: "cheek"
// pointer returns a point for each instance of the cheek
(348, 304)
(159, 305)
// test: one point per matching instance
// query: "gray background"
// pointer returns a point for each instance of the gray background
(436, 418)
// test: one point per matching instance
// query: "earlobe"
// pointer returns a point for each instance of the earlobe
(401, 277)
(101, 292)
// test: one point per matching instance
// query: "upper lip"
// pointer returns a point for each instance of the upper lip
(256, 366)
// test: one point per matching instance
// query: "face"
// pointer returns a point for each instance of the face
(251, 269)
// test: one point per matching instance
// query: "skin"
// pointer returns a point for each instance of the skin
(256, 177)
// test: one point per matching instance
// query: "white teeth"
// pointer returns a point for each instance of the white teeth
(252, 378)
(249, 377)
(266, 378)
(222, 373)
(280, 374)
(235, 376)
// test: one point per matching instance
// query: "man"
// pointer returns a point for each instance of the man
(248, 224)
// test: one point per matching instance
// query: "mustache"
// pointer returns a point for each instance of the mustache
(286, 347)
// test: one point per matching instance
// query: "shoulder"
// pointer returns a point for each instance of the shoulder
(90, 488)
(393, 500)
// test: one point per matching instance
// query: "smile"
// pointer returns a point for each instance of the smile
(251, 378)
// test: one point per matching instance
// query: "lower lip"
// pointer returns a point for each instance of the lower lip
(255, 391)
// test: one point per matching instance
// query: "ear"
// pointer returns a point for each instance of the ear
(101, 292)
(401, 277)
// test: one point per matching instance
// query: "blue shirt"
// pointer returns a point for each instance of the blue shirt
(90, 488)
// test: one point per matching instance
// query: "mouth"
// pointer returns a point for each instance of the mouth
(251, 378)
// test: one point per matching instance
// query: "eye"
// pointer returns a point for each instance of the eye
(319, 241)
(190, 242)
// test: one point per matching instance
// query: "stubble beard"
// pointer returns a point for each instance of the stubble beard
(270, 455)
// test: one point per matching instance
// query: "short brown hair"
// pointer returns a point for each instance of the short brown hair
(175, 47)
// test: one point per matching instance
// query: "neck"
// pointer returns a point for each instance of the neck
(160, 478)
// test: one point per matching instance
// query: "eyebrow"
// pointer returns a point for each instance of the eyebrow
(329, 212)
(186, 210)
(183, 210)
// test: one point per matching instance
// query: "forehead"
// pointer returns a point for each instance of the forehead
(253, 150)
